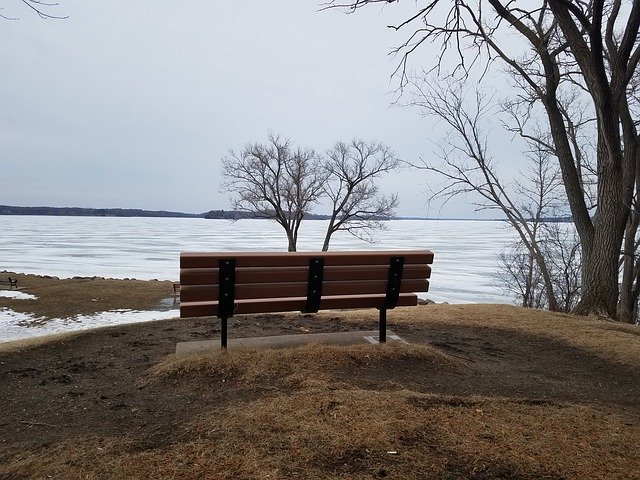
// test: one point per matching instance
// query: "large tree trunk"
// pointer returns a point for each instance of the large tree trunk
(600, 262)
(601, 241)
(600, 276)
(600, 237)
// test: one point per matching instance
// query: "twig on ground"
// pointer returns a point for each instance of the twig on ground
(41, 424)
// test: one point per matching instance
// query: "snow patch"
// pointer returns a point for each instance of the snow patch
(17, 295)
(18, 326)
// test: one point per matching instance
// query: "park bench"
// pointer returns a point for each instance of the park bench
(223, 284)
(12, 282)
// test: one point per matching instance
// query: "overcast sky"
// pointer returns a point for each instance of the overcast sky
(133, 104)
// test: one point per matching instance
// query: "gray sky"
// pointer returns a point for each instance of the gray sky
(132, 104)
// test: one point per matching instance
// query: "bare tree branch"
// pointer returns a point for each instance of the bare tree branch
(357, 205)
(40, 7)
(274, 181)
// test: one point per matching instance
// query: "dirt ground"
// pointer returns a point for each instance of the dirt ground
(62, 298)
(481, 391)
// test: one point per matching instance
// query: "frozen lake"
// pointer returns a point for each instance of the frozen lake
(464, 269)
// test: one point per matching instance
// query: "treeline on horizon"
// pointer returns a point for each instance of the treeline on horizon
(133, 212)
(211, 214)
(93, 212)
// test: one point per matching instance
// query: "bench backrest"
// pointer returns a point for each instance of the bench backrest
(226, 283)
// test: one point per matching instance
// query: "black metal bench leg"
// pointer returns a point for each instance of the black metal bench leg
(382, 336)
(223, 332)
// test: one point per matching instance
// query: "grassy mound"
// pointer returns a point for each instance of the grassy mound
(308, 366)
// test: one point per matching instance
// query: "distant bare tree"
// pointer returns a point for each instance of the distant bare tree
(520, 277)
(562, 252)
(275, 181)
(357, 205)
(520, 274)
(40, 7)
(467, 167)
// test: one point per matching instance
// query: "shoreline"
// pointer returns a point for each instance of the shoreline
(45, 276)
(80, 303)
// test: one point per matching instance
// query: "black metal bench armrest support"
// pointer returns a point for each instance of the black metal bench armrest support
(226, 295)
(314, 285)
(394, 282)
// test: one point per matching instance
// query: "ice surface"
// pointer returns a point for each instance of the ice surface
(465, 268)
(464, 271)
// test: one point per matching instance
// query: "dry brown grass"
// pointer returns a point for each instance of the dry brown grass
(306, 367)
(63, 298)
(610, 340)
(304, 413)
(321, 434)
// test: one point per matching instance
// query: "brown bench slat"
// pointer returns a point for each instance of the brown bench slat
(271, 305)
(290, 259)
(198, 293)
(209, 276)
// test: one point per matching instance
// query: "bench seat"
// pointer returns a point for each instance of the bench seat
(294, 304)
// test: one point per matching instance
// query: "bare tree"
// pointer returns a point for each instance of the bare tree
(274, 181)
(520, 277)
(40, 7)
(591, 44)
(562, 252)
(467, 167)
(357, 205)
(520, 274)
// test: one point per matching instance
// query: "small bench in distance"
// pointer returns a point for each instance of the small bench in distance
(12, 282)
(226, 283)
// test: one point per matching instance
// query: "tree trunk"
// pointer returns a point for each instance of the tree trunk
(600, 238)
(548, 283)
(600, 262)
(629, 287)
(330, 230)
(327, 238)
(529, 240)
(292, 236)
(527, 298)
(293, 239)
(628, 298)
(600, 278)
